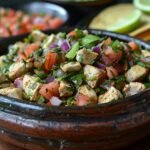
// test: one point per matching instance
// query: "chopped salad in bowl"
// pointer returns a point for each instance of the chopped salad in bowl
(16, 22)
(76, 68)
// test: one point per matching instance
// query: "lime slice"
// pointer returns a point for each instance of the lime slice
(119, 18)
(144, 5)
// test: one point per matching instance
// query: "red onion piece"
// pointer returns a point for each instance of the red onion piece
(65, 46)
(53, 45)
(145, 60)
(55, 101)
(106, 60)
(101, 66)
(96, 49)
(18, 83)
(49, 79)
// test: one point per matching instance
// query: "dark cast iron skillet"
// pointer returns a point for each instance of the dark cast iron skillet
(107, 126)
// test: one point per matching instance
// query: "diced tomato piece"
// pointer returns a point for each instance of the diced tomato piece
(72, 33)
(4, 32)
(107, 41)
(61, 58)
(16, 29)
(25, 22)
(40, 26)
(133, 45)
(81, 99)
(10, 13)
(30, 49)
(112, 56)
(29, 27)
(49, 104)
(21, 56)
(51, 59)
(25, 19)
(44, 91)
(111, 72)
(120, 68)
(55, 23)
(49, 90)
(54, 88)
(47, 18)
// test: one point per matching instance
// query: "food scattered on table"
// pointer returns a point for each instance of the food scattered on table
(14, 22)
(76, 68)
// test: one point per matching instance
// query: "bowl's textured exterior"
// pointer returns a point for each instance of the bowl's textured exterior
(108, 126)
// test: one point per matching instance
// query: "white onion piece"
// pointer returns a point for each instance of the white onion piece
(145, 60)
(38, 20)
(55, 101)
(59, 42)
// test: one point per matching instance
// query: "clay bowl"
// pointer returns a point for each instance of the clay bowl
(108, 126)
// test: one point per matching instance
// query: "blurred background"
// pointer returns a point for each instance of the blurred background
(99, 14)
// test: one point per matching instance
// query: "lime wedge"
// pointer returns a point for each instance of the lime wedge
(119, 18)
(143, 5)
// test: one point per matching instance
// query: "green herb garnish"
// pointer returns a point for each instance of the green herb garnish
(41, 100)
(72, 53)
(88, 39)
(116, 46)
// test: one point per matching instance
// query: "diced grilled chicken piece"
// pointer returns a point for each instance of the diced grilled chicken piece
(18, 46)
(70, 66)
(16, 70)
(31, 87)
(39, 62)
(110, 95)
(146, 53)
(5, 85)
(86, 56)
(133, 88)
(86, 90)
(38, 35)
(3, 78)
(1, 60)
(136, 73)
(93, 75)
(49, 40)
(12, 92)
(85, 32)
(65, 89)
(29, 64)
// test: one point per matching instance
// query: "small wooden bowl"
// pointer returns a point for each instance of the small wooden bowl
(108, 126)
